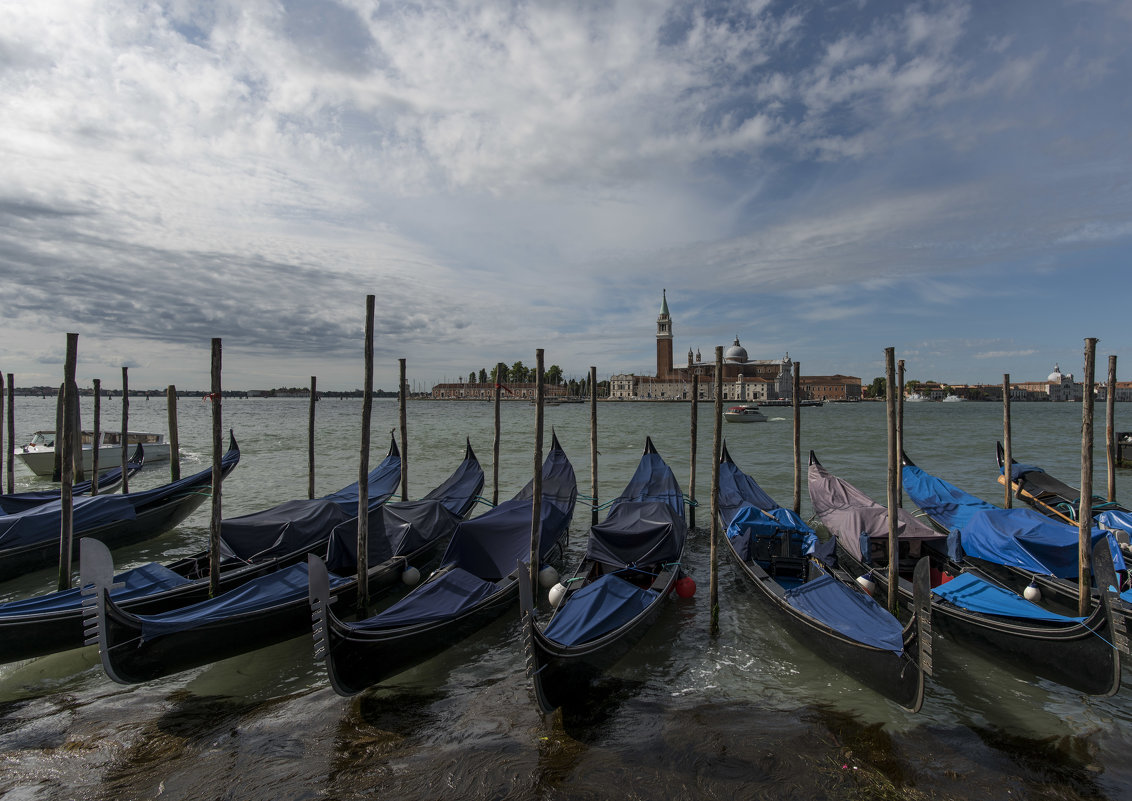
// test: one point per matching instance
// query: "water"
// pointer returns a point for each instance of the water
(749, 713)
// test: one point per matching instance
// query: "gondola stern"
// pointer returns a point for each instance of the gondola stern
(96, 577)
(529, 635)
(1104, 573)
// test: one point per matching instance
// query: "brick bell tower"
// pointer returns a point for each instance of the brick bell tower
(663, 339)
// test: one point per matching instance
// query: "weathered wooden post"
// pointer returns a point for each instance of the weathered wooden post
(716, 452)
(893, 507)
(217, 477)
(11, 444)
(363, 463)
(692, 459)
(495, 442)
(65, 441)
(96, 437)
(1007, 457)
(593, 445)
(1085, 510)
(73, 409)
(404, 433)
(174, 433)
(125, 428)
(57, 468)
(796, 391)
(536, 499)
(310, 438)
(1110, 428)
(900, 426)
(11, 433)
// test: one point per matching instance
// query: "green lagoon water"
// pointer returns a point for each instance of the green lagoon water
(749, 713)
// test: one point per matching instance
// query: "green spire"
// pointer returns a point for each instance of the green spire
(664, 301)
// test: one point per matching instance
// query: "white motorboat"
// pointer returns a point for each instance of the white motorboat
(954, 399)
(39, 454)
(744, 414)
(915, 397)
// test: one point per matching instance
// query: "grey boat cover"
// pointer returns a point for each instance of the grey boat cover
(855, 518)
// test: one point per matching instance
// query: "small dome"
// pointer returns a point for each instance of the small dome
(736, 353)
(1055, 376)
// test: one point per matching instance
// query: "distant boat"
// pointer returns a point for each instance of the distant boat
(744, 414)
(954, 399)
(915, 397)
(39, 454)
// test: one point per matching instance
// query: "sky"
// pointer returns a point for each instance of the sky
(824, 179)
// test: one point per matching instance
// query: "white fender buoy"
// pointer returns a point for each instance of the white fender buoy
(867, 584)
(1032, 593)
(411, 576)
(557, 592)
(547, 577)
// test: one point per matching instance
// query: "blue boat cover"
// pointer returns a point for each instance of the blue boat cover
(177, 488)
(597, 609)
(1019, 470)
(442, 598)
(945, 503)
(395, 529)
(752, 524)
(382, 482)
(1115, 519)
(139, 582)
(974, 594)
(41, 523)
(849, 611)
(653, 480)
(736, 490)
(638, 533)
(1026, 539)
(13, 503)
(290, 527)
(285, 586)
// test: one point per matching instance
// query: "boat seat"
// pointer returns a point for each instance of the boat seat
(762, 550)
(661, 580)
(789, 567)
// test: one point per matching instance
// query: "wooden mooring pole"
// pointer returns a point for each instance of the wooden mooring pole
(893, 458)
(692, 458)
(363, 463)
(310, 438)
(96, 437)
(797, 394)
(174, 433)
(1085, 510)
(593, 445)
(125, 428)
(11, 433)
(65, 441)
(899, 428)
(404, 433)
(716, 452)
(536, 499)
(499, 368)
(1110, 428)
(1007, 457)
(57, 468)
(217, 477)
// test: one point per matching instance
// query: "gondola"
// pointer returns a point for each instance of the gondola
(16, 502)
(30, 541)
(1054, 498)
(631, 565)
(475, 584)
(823, 608)
(969, 605)
(260, 543)
(273, 608)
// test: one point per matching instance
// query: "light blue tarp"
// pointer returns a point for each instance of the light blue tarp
(977, 595)
(139, 582)
(945, 503)
(441, 599)
(285, 586)
(597, 609)
(1026, 539)
(752, 525)
(1115, 519)
(849, 611)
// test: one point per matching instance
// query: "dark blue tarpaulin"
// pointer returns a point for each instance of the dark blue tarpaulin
(652, 481)
(395, 529)
(1026, 539)
(849, 611)
(42, 523)
(140, 581)
(287, 528)
(945, 503)
(977, 595)
(489, 546)
(736, 490)
(441, 598)
(638, 533)
(597, 609)
(284, 586)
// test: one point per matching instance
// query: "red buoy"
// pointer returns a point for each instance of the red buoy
(686, 587)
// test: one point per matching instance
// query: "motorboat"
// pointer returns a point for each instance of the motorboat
(744, 414)
(954, 399)
(39, 454)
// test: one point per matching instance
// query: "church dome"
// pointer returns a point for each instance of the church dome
(736, 353)
(1055, 376)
